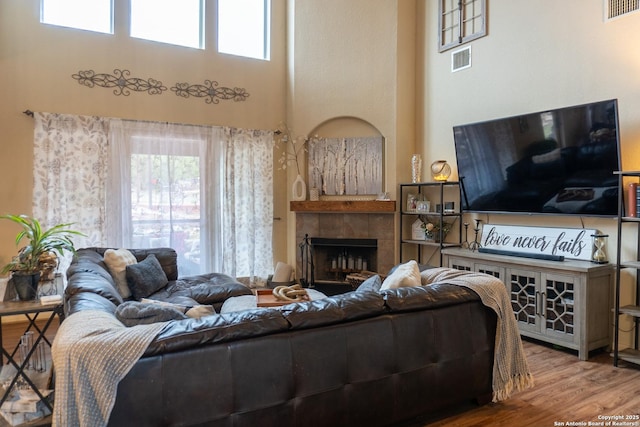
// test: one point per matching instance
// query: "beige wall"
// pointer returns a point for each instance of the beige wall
(37, 61)
(353, 62)
(538, 55)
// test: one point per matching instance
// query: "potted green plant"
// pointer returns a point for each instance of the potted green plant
(42, 246)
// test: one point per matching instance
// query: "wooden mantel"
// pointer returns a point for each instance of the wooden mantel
(346, 206)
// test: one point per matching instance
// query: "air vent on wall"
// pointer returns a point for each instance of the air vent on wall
(616, 8)
(461, 59)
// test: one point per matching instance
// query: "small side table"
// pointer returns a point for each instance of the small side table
(31, 310)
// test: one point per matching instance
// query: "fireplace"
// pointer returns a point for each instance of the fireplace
(345, 228)
(331, 260)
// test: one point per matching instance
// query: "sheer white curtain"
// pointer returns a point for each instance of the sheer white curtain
(248, 207)
(69, 174)
(166, 183)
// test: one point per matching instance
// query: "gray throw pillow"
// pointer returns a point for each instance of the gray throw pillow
(372, 284)
(146, 277)
(132, 313)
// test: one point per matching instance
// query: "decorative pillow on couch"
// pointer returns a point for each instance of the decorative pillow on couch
(117, 261)
(132, 313)
(372, 284)
(407, 274)
(146, 277)
(191, 310)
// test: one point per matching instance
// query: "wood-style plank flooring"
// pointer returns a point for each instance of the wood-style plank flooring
(566, 391)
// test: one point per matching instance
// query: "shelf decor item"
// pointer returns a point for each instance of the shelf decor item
(440, 170)
(416, 168)
(299, 189)
(418, 230)
(599, 253)
(433, 231)
(292, 148)
(423, 206)
(412, 201)
(314, 194)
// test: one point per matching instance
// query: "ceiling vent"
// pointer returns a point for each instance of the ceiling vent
(461, 59)
(617, 8)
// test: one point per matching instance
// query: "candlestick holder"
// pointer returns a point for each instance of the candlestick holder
(475, 245)
(465, 244)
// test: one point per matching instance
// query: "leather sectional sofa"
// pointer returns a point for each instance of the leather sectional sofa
(358, 359)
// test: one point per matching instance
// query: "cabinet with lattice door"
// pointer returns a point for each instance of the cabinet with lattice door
(567, 303)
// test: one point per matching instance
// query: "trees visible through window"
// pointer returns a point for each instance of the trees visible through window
(165, 205)
(243, 27)
(92, 15)
(169, 21)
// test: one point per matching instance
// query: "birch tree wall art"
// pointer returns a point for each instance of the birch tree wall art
(346, 166)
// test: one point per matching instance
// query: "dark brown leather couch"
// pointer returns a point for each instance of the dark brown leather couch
(357, 359)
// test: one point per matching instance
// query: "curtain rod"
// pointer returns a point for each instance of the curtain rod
(31, 114)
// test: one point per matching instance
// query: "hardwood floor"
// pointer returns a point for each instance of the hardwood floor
(566, 391)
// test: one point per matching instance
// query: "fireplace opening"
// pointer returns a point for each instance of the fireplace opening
(328, 261)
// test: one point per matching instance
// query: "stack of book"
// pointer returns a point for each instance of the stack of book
(633, 200)
(23, 405)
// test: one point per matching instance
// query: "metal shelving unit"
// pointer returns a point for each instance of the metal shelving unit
(632, 354)
(436, 193)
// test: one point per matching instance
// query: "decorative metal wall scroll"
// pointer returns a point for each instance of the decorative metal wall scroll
(210, 92)
(124, 84)
(121, 81)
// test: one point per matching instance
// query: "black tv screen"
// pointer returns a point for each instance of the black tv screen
(558, 161)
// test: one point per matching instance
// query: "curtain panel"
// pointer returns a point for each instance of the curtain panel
(69, 171)
(248, 208)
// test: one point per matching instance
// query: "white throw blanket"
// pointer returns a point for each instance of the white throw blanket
(510, 367)
(92, 352)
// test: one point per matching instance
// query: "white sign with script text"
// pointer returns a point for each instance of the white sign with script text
(575, 243)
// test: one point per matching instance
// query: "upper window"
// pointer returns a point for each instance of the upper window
(243, 27)
(92, 15)
(168, 21)
(460, 22)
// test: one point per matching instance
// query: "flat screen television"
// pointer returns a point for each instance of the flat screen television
(558, 161)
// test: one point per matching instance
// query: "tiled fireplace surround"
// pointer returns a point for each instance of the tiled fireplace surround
(350, 225)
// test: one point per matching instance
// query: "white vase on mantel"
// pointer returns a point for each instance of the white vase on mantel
(299, 189)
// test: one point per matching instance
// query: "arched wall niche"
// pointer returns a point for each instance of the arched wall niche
(350, 127)
(345, 126)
